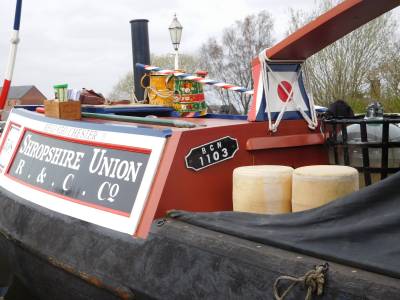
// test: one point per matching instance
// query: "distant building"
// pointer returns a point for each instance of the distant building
(23, 95)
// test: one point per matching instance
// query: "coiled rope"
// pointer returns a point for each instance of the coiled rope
(313, 281)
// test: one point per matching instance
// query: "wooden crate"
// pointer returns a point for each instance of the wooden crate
(68, 110)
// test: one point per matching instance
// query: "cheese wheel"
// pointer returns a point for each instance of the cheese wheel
(314, 186)
(263, 189)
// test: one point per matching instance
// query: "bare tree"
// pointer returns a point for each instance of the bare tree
(345, 68)
(389, 72)
(124, 89)
(187, 62)
(230, 59)
(212, 60)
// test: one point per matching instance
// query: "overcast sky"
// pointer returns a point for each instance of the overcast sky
(86, 43)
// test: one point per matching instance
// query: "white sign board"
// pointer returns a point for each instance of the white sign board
(99, 173)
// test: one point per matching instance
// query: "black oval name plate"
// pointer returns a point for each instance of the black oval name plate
(211, 153)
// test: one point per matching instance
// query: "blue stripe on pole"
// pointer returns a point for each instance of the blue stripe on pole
(17, 19)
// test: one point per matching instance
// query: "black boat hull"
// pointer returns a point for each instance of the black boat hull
(59, 257)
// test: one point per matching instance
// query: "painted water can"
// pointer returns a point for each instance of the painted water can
(160, 90)
(189, 98)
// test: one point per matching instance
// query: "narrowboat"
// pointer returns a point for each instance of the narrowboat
(135, 201)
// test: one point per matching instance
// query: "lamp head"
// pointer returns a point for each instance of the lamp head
(175, 30)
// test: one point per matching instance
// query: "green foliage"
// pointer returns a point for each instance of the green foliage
(391, 105)
(359, 105)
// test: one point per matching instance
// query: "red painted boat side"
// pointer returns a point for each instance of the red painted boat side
(177, 187)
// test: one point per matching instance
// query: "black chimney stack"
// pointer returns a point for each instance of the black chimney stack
(140, 51)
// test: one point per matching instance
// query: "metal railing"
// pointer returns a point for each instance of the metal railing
(343, 147)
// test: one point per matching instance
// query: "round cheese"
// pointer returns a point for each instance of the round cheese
(314, 186)
(262, 189)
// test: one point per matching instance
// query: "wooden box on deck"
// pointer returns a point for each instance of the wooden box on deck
(68, 110)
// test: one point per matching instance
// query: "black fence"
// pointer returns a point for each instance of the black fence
(354, 148)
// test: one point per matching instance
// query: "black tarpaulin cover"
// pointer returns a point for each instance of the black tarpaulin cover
(360, 230)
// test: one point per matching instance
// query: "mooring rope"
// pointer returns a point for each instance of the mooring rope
(313, 281)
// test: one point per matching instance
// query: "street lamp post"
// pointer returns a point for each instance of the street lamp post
(175, 30)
